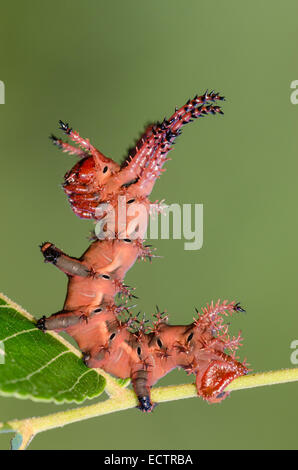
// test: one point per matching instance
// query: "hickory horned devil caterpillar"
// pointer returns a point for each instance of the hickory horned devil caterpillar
(109, 336)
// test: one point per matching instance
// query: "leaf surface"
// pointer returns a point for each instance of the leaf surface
(39, 366)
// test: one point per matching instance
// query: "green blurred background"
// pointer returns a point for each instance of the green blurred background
(109, 68)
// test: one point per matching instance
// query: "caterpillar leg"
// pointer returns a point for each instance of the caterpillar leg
(142, 390)
(70, 266)
(60, 321)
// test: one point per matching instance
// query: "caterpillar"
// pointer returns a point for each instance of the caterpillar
(109, 335)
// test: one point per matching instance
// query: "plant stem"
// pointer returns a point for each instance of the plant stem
(123, 399)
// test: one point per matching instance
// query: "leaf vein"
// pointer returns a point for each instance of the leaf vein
(76, 382)
(18, 333)
(29, 376)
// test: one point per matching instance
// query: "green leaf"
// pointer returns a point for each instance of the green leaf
(39, 366)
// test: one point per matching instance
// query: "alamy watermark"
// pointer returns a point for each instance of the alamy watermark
(294, 94)
(132, 220)
(2, 353)
(2, 92)
(294, 355)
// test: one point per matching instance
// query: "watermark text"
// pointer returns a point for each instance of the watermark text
(2, 92)
(141, 220)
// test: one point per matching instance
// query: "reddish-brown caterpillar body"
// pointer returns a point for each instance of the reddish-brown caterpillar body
(122, 344)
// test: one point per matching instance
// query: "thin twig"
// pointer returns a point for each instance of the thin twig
(123, 399)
